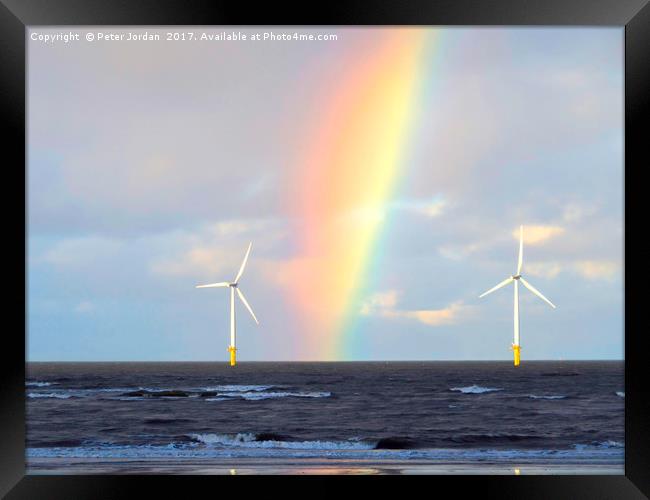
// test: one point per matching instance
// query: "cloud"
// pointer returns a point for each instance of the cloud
(575, 212)
(458, 252)
(433, 317)
(543, 269)
(589, 269)
(537, 235)
(597, 269)
(196, 261)
(381, 300)
(233, 227)
(376, 214)
(83, 251)
(384, 304)
(490, 237)
(427, 207)
(213, 249)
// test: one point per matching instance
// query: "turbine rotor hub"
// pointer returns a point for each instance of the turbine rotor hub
(516, 276)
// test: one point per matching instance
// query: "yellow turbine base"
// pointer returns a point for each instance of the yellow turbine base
(517, 352)
(233, 357)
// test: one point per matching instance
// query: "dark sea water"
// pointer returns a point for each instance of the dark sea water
(540, 412)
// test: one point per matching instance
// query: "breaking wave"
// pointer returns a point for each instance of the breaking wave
(56, 395)
(600, 445)
(533, 396)
(239, 388)
(474, 389)
(620, 394)
(39, 384)
(74, 393)
(256, 396)
(249, 440)
(249, 393)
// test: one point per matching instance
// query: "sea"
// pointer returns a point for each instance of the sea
(550, 417)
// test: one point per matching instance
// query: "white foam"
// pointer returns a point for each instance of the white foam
(599, 445)
(620, 394)
(238, 388)
(256, 396)
(49, 395)
(109, 389)
(77, 393)
(247, 440)
(474, 389)
(223, 392)
(611, 444)
(152, 389)
(533, 396)
(39, 384)
(228, 392)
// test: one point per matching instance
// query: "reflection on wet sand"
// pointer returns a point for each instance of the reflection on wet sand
(46, 466)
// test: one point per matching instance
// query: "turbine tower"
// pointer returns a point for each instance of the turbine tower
(516, 278)
(234, 286)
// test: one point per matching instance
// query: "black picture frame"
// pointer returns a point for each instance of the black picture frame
(16, 15)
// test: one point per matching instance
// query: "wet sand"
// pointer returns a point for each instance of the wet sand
(240, 466)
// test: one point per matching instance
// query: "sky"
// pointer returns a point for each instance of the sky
(381, 176)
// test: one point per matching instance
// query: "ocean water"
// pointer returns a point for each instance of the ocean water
(367, 412)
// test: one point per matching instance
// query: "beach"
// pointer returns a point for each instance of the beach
(58, 466)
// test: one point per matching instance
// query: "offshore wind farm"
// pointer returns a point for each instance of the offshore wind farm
(515, 279)
(385, 177)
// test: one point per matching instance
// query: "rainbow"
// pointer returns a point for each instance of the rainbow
(348, 174)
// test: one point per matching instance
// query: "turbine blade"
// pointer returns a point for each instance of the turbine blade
(536, 292)
(214, 285)
(243, 299)
(503, 283)
(243, 264)
(521, 249)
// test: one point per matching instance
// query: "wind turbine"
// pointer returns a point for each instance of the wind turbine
(516, 278)
(234, 286)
